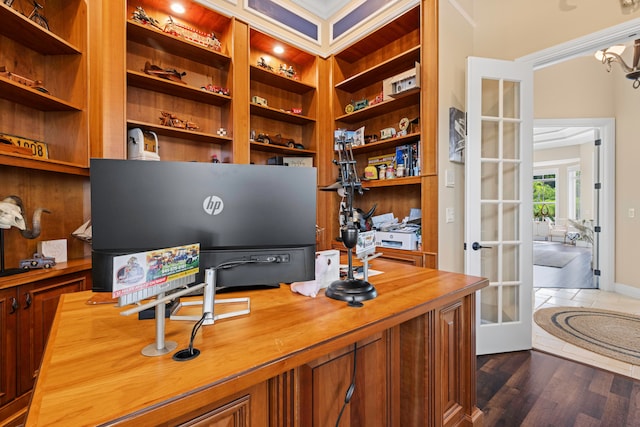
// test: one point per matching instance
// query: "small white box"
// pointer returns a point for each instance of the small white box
(54, 248)
(298, 161)
(332, 273)
(401, 83)
(397, 240)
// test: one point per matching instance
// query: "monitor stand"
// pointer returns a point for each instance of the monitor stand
(160, 346)
(208, 303)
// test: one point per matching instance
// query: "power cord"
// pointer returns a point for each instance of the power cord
(190, 352)
(352, 387)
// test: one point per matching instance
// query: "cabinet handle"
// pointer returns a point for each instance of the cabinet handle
(14, 305)
(27, 300)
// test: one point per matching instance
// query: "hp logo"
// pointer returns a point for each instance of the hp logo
(213, 205)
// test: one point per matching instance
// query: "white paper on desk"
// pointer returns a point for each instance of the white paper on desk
(372, 272)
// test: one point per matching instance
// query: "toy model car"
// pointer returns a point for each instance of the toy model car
(38, 261)
(216, 89)
(278, 140)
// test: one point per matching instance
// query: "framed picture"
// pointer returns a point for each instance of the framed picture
(457, 135)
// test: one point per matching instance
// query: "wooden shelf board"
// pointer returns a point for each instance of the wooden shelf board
(400, 26)
(28, 162)
(156, 84)
(381, 108)
(387, 143)
(148, 35)
(32, 98)
(389, 68)
(275, 114)
(26, 32)
(180, 133)
(271, 78)
(272, 148)
(409, 180)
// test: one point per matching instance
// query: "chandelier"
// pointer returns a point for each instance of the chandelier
(613, 54)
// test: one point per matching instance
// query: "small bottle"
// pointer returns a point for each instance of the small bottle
(400, 171)
(391, 172)
(383, 171)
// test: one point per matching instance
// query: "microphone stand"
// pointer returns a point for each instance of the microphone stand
(352, 290)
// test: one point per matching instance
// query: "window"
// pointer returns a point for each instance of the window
(544, 194)
(573, 193)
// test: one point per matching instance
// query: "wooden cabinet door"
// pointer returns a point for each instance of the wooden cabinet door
(37, 308)
(8, 322)
(326, 381)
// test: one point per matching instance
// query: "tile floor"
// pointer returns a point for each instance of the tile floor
(550, 297)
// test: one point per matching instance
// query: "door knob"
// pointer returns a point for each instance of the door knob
(475, 246)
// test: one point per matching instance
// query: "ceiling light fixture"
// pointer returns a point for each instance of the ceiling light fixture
(613, 54)
(177, 8)
(278, 50)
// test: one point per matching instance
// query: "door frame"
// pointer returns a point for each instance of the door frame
(620, 33)
(606, 126)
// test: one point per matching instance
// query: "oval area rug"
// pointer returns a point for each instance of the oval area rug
(610, 333)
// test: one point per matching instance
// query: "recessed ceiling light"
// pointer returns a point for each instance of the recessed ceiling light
(177, 8)
(278, 49)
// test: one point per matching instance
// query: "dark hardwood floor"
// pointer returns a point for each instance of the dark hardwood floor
(531, 388)
(577, 274)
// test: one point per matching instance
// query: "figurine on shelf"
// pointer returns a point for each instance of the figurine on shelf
(263, 64)
(139, 15)
(208, 40)
(288, 72)
(12, 214)
(171, 120)
(164, 73)
(34, 84)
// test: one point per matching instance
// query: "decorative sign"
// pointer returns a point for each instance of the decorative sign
(38, 148)
(137, 271)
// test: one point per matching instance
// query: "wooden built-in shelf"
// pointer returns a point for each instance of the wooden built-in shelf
(149, 36)
(387, 143)
(180, 133)
(156, 84)
(272, 148)
(275, 114)
(28, 162)
(381, 108)
(26, 32)
(409, 180)
(399, 63)
(271, 78)
(32, 98)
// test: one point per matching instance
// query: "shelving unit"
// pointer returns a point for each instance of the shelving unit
(148, 96)
(57, 182)
(358, 73)
(282, 94)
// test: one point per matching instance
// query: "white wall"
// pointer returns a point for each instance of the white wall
(456, 43)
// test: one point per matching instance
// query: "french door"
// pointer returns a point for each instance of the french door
(498, 199)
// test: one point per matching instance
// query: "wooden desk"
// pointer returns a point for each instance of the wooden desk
(288, 363)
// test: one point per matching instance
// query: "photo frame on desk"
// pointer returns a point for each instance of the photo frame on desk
(457, 135)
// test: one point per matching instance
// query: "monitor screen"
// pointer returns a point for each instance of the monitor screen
(235, 212)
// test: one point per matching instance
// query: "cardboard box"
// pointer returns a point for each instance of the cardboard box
(397, 240)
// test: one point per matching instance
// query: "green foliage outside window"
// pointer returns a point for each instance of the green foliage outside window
(544, 200)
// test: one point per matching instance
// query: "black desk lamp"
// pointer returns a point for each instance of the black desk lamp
(352, 290)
